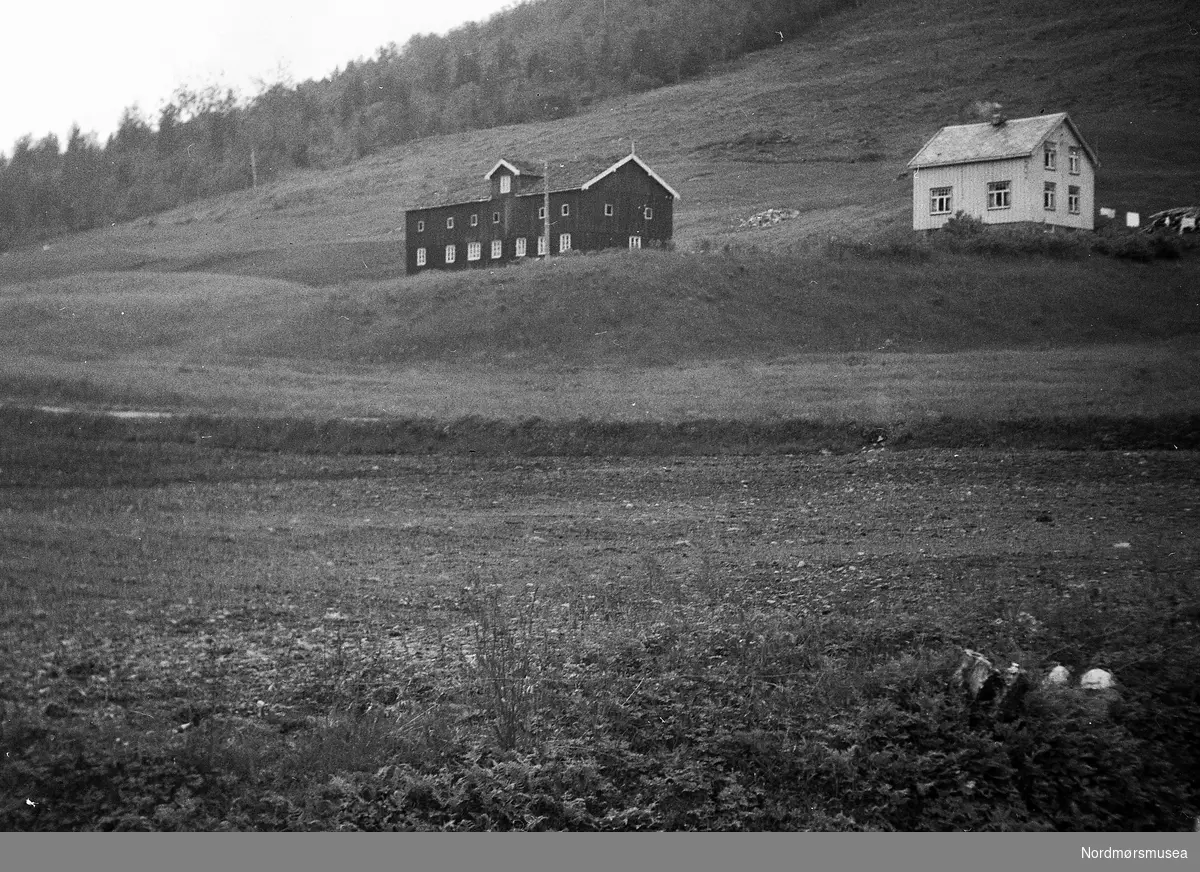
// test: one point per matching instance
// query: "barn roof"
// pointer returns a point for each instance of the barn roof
(580, 172)
(971, 143)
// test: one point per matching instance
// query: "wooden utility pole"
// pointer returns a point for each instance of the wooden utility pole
(546, 204)
(253, 170)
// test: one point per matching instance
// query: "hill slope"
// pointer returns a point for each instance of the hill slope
(824, 124)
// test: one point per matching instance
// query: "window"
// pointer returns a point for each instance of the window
(566, 209)
(420, 226)
(475, 220)
(635, 242)
(520, 246)
(1073, 199)
(608, 210)
(1051, 155)
(1048, 196)
(541, 245)
(505, 184)
(940, 201)
(450, 254)
(1073, 161)
(450, 223)
(999, 195)
(649, 213)
(497, 248)
(495, 217)
(420, 257)
(541, 213)
(564, 242)
(474, 249)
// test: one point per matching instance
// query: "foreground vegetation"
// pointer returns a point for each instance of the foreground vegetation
(202, 637)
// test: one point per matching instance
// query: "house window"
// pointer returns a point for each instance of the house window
(450, 254)
(475, 220)
(1073, 161)
(566, 209)
(608, 210)
(564, 242)
(495, 217)
(940, 201)
(999, 195)
(541, 213)
(1073, 199)
(474, 249)
(520, 246)
(649, 213)
(420, 226)
(541, 245)
(497, 248)
(1051, 156)
(1048, 196)
(635, 242)
(420, 257)
(450, 223)
(505, 184)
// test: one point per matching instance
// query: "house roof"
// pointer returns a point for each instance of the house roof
(517, 168)
(971, 143)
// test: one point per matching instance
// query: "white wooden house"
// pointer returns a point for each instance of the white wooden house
(1006, 171)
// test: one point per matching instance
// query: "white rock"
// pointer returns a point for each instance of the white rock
(1059, 675)
(1096, 679)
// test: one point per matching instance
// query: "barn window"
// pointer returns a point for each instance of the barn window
(450, 253)
(505, 184)
(564, 242)
(475, 220)
(541, 245)
(1051, 155)
(635, 242)
(541, 212)
(420, 226)
(520, 246)
(1073, 161)
(566, 209)
(1073, 199)
(941, 201)
(999, 195)
(608, 210)
(450, 223)
(474, 249)
(497, 248)
(1049, 193)
(495, 217)
(420, 257)
(649, 213)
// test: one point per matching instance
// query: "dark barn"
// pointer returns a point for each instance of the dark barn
(594, 204)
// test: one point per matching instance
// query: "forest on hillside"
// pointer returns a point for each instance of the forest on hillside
(538, 60)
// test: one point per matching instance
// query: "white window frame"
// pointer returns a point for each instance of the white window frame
(421, 256)
(541, 246)
(564, 242)
(566, 209)
(474, 251)
(608, 210)
(1050, 156)
(635, 242)
(450, 223)
(505, 183)
(495, 217)
(941, 200)
(451, 253)
(475, 219)
(420, 226)
(999, 195)
(1073, 199)
(1074, 164)
(648, 213)
(1050, 197)
(497, 249)
(541, 213)
(520, 246)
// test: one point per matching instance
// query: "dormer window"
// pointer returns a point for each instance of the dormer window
(505, 184)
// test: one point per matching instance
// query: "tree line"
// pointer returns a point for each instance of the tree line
(534, 61)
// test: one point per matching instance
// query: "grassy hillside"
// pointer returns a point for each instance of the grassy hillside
(823, 124)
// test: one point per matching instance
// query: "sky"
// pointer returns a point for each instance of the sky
(84, 62)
